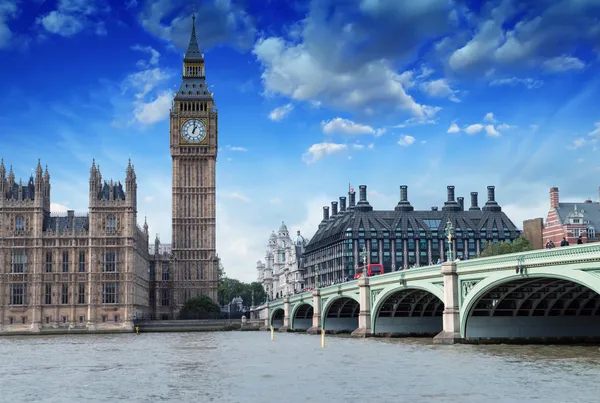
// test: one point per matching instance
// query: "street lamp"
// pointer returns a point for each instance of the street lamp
(449, 234)
(363, 254)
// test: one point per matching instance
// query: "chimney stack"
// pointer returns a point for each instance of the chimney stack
(474, 205)
(362, 193)
(351, 200)
(342, 204)
(403, 193)
(325, 213)
(554, 200)
(450, 194)
(461, 203)
(492, 193)
(334, 208)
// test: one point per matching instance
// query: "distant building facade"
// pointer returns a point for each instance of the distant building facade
(282, 272)
(400, 238)
(571, 220)
(533, 231)
(71, 271)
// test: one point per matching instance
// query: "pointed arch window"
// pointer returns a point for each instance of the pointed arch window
(111, 223)
(19, 223)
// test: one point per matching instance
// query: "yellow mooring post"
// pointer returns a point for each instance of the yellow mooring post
(272, 333)
(322, 338)
(137, 330)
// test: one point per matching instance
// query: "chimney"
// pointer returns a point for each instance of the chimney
(351, 200)
(450, 194)
(404, 204)
(461, 203)
(362, 193)
(325, 213)
(334, 208)
(554, 200)
(474, 205)
(342, 204)
(492, 193)
(403, 193)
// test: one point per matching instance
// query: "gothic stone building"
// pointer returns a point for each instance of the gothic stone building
(71, 271)
(400, 238)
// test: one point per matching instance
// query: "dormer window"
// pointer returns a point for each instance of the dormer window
(111, 223)
(575, 221)
(20, 223)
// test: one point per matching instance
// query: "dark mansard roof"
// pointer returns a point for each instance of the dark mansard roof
(66, 223)
(28, 191)
(405, 219)
(114, 193)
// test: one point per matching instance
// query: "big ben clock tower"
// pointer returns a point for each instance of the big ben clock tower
(194, 145)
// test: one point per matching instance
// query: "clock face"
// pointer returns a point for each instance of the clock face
(193, 131)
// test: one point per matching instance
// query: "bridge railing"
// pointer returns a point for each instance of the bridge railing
(539, 257)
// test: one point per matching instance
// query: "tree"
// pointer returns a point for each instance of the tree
(520, 244)
(200, 307)
(230, 288)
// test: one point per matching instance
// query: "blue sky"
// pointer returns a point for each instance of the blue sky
(312, 95)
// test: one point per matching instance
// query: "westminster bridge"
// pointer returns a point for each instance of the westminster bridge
(551, 294)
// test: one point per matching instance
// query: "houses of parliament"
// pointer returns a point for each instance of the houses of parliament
(100, 271)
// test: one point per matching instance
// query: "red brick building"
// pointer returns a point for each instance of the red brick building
(571, 220)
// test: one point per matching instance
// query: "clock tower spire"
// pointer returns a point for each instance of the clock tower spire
(194, 146)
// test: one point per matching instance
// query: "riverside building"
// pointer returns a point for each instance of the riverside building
(402, 237)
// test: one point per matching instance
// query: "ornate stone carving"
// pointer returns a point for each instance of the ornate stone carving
(467, 286)
(374, 294)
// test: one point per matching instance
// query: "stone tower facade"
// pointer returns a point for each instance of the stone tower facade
(70, 271)
(194, 145)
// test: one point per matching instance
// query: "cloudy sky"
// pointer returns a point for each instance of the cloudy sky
(312, 95)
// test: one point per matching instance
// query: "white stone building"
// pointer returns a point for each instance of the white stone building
(282, 272)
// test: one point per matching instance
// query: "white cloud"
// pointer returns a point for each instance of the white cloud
(474, 128)
(281, 112)
(440, 88)
(321, 150)
(58, 208)
(529, 83)
(345, 126)
(491, 131)
(453, 128)
(233, 148)
(73, 16)
(489, 117)
(358, 146)
(154, 56)
(504, 126)
(563, 63)
(406, 140)
(8, 11)
(145, 81)
(293, 71)
(236, 196)
(577, 143)
(595, 132)
(154, 111)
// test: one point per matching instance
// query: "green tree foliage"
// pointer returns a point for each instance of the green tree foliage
(230, 288)
(200, 307)
(521, 244)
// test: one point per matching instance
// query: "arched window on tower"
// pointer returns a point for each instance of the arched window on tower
(20, 223)
(111, 223)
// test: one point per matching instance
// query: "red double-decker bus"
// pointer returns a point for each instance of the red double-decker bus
(372, 270)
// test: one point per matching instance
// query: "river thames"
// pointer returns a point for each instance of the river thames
(249, 367)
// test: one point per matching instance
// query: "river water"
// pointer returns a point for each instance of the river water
(240, 367)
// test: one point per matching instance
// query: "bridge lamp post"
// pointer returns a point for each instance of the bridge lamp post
(363, 254)
(449, 234)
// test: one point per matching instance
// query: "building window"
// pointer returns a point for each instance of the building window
(81, 318)
(81, 294)
(64, 319)
(576, 232)
(49, 262)
(48, 294)
(116, 318)
(575, 220)
(164, 300)
(104, 318)
(81, 261)
(111, 223)
(19, 223)
(110, 293)
(165, 272)
(19, 261)
(591, 232)
(64, 295)
(65, 262)
(111, 260)
(18, 294)
(47, 319)
(11, 320)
